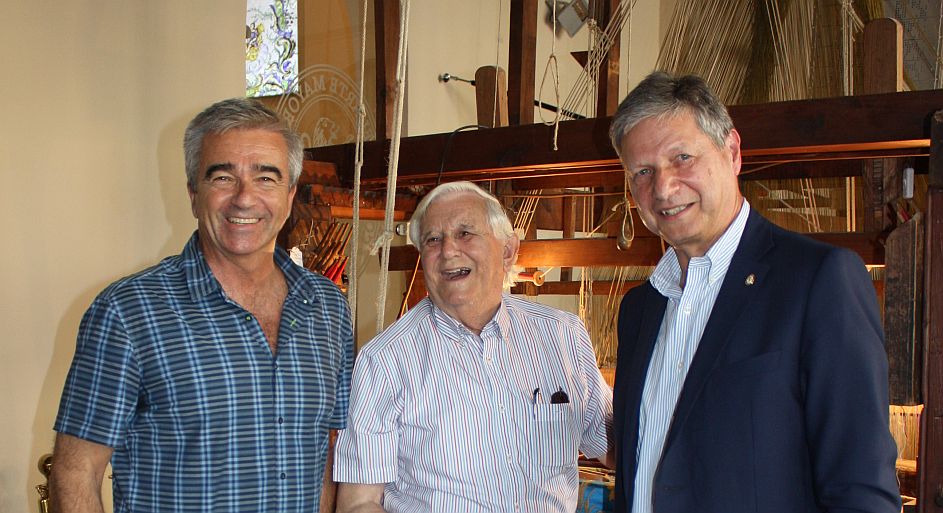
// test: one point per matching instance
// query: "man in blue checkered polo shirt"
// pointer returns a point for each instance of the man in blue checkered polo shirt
(211, 380)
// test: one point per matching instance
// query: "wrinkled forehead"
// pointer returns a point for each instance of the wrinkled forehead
(455, 209)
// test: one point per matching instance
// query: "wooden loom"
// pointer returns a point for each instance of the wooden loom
(807, 139)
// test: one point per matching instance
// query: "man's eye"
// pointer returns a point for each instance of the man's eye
(684, 156)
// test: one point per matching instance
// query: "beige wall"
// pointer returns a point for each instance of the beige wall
(95, 97)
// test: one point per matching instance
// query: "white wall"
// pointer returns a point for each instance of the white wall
(95, 96)
(458, 37)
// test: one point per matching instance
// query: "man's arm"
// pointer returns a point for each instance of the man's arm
(359, 498)
(78, 468)
(844, 376)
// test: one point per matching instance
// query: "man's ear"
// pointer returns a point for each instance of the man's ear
(192, 193)
(509, 256)
(733, 144)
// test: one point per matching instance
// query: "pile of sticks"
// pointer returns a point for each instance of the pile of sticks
(325, 252)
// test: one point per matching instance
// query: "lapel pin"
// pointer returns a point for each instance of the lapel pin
(751, 279)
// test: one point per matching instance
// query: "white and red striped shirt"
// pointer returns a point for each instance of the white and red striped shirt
(451, 421)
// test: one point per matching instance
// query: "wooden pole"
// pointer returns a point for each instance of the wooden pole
(522, 61)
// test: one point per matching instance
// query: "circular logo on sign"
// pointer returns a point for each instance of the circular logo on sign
(323, 110)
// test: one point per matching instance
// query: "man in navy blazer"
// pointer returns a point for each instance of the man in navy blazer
(751, 372)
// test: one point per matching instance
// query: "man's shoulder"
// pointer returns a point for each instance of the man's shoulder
(403, 336)
(530, 311)
(801, 248)
(166, 274)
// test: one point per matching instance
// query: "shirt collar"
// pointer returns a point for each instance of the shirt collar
(454, 329)
(202, 282)
(667, 275)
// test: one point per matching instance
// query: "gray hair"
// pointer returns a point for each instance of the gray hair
(238, 114)
(661, 95)
(494, 212)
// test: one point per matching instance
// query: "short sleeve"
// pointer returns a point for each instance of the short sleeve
(101, 390)
(342, 393)
(366, 450)
(597, 417)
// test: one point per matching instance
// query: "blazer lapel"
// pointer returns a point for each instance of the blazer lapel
(653, 311)
(745, 270)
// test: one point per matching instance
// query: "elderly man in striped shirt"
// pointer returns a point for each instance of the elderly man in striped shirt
(474, 401)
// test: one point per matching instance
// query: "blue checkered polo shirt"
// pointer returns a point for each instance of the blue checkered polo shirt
(181, 382)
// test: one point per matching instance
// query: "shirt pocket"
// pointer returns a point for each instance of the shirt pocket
(553, 436)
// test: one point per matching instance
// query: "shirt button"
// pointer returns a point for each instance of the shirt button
(305, 301)
(488, 359)
(687, 310)
(248, 317)
(281, 420)
(282, 476)
(501, 408)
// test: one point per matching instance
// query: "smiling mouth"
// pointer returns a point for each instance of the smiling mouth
(457, 273)
(673, 211)
(243, 220)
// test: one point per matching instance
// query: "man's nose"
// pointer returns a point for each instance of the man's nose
(449, 245)
(664, 182)
(245, 194)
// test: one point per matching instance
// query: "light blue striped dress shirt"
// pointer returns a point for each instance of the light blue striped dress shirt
(685, 318)
(448, 420)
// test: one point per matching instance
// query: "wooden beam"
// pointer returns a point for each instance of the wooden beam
(386, 23)
(882, 44)
(930, 464)
(522, 61)
(644, 251)
(572, 288)
(491, 100)
(607, 93)
(903, 310)
(787, 130)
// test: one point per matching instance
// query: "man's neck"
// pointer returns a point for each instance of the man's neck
(473, 317)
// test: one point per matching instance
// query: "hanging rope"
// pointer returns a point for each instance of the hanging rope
(358, 166)
(383, 241)
(586, 83)
(552, 64)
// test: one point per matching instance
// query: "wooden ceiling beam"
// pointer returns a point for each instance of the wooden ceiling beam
(645, 251)
(796, 130)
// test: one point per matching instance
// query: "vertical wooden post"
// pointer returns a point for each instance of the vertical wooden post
(522, 61)
(930, 462)
(491, 85)
(386, 31)
(883, 71)
(607, 99)
(569, 231)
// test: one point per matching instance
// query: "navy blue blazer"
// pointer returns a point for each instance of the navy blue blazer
(785, 406)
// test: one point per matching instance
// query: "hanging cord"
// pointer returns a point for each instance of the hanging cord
(383, 241)
(497, 53)
(358, 166)
(939, 44)
(585, 86)
(552, 65)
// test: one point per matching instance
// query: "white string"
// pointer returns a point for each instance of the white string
(391, 174)
(585, 84)
(358, 165)
(497, 67)
(552, 62)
